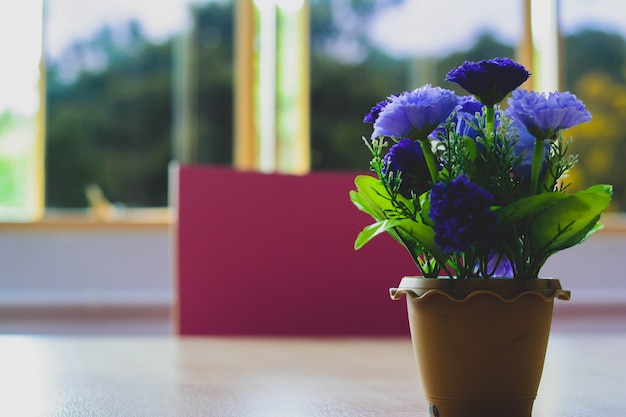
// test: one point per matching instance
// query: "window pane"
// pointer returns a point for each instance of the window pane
(109, 106)
(121, 86)
(363, 52)
(20, 111)
(594, 68)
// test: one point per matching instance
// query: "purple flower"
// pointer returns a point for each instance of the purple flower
(462, 215)
(375, 111)
(407, 157)
(467, 124)
(499, 266)
(489, 80)
(415, 114)
(545, 114)
(466, 120)
(470, 105)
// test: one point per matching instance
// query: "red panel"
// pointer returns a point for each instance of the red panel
(273, 254)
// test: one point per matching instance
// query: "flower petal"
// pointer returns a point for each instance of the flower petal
(489, 80)
(415, 114)
(545, 114)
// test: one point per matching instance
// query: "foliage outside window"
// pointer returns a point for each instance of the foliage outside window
(111, 124)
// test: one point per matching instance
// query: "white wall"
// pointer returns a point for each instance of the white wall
(94, 280)
(119, 280)
(595, 272)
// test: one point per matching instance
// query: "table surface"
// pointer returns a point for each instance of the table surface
(584, 375)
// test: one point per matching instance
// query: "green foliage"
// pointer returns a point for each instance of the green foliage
(569, 220)
(112, 124)
(594, 51)
(481, 215)
(554, 221)
(340, 100)
(389, 211)
(111, 128)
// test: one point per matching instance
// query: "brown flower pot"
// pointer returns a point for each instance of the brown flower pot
(480, 344)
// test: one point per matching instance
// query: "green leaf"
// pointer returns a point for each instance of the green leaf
(416, 237)
(371, 198)
(365, 205)
(471, 147)
(422, 235)
(365, 199)
(527, 206)
(570, 220)
(373, 230)
(377, 197)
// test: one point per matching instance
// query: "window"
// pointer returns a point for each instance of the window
(21, 111)
(127, 90)
(594, 68)
(110, 102)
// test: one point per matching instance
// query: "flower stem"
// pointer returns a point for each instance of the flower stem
(536, 166)
(490, 115)
(430, 160)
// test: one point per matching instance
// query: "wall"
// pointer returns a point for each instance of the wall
(88, 279)
(595, 273)
(104, 279)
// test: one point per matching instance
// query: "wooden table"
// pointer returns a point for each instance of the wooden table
(585, 375)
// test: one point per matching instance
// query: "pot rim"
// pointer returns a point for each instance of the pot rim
(506, 289)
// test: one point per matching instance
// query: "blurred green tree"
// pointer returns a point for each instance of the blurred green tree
(109, 101)
(595, 70)
(109, 123)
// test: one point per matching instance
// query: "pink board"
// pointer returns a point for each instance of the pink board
(269, 254)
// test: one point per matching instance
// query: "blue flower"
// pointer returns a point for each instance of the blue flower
(546, 114)
(499, 266)
(375, 111)
(466, 120)
(467, 125)
(489, 80)
(415, 114)
(407, 157)
(470, 105)
(462, 215)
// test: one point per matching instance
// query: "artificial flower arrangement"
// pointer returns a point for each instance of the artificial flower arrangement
(473, 190)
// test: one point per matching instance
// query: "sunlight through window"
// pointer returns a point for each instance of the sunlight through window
(21, 121)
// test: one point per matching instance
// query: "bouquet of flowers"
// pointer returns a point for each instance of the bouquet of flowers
(472, 189)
